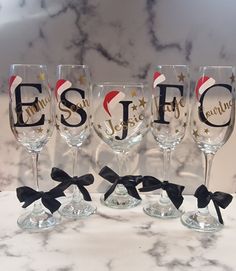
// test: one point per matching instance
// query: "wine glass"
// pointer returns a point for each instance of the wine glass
(169, 121)
(73, 91)
(32, 121)
(212, 122)
(120, 120)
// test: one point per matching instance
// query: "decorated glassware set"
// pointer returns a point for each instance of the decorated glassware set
(121, 115)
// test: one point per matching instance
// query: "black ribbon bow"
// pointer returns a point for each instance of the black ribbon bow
(28, 196)
(66, 180)
(174, 191)
(129, 181)
(220, 200)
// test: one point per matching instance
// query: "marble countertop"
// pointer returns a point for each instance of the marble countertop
(115, 240)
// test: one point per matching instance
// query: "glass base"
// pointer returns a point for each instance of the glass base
(77, 209)
(123, 201)
(162, 210)
(203, 222)
(38, 222)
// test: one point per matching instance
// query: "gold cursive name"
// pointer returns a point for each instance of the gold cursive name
(220, 109)
(33, 109)
(132, 122)
(174, 106)
(40, 105)
(73, 108)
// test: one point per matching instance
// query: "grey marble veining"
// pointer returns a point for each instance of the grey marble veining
(120, 41)
(116, 240)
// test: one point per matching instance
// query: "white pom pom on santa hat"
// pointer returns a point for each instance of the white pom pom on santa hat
(203, 84)
(111, 99)
(61, 86)
(158, 78)
(14, 81)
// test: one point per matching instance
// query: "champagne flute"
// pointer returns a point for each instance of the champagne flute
(212, 122)
(169, 121)
(120, 118)
(32, 121)
(73, 91)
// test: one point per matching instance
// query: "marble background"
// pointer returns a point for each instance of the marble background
(120, 41)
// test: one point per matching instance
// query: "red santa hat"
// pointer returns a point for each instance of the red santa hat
(203, 84)
(111, 99)
(61, 86)
(14, 81)
(158, 78)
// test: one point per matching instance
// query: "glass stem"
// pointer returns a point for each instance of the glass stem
(35, 157)
(77, 196)
(166, 167)
(121, 161)
(208, 164)
(38, 208)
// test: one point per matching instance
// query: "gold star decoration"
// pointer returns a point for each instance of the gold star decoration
(39, 130)
(134, 107)
(232, 78)
(206, 131)
(133, 93)
(181, 77)
(82, 80)
(195, 133)
(142, 102)
(41, 76)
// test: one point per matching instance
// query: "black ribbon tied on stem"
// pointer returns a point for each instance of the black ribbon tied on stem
(28, 195)
(66, 180)
(220, 200)
(174, 191)
(129, 181)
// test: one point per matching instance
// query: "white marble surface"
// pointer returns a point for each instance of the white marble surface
(115, 240)
(120, 41)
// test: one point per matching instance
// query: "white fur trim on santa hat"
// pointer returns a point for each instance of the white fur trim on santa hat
(158, 79)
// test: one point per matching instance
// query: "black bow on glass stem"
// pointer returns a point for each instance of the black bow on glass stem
(28, 195)
(66, 180)
(173, 191)
(129, 181)
(220, 199)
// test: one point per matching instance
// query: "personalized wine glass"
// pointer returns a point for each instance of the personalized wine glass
(32, 121)
(169, 121)
(73, 91)
(120, 120)
(212, 122)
